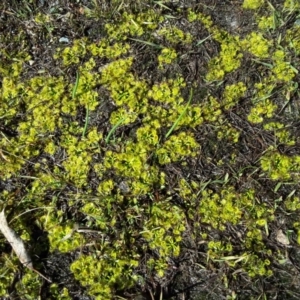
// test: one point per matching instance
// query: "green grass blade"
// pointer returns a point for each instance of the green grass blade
(161, 4)
(262, 63)
(148, 43)
(202, 41)
(181, 115)
(86, 121)
(114, 129)
(75, 86)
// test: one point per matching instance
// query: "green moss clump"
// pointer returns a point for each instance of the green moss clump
(252, 4)
(175, 35)
(113, 269)
(29, 286)
(163, 231)
(107, 50)
(130, 25)
(232, 94)
(229, 133)
(256, 44)
(280, 166)
(218, 249)
(291, 5)
(77, 165)
(59, 294)
(280, 133)
(282, 69)
(62, 235)
(72, 55)
(177, 147)
(166, 57)
(223, 208)
(292, 203)
(8, 269)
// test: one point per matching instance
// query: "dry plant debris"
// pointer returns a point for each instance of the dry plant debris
(17, 244)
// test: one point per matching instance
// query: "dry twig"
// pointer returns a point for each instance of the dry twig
(17, 244)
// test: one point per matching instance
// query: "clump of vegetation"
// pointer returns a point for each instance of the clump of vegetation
(103, 273)
(252, 4)
(280, 166)
(257, 45)
(127, 159)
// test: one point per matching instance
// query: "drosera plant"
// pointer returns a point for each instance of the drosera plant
(252, 4)
(292, 39)
(228, 60)
(227, 132)
(230, 56)
(177, 147)
(166, 57)
(113, 270)
(223, 208)
(279, 166)
(72, 54)
(131, 25)
(218, 250)
(291, 5)
(280, 132)
(77, 163)
(29, 286)
(168, 93)
(174, 35)
(126, 91)
(8, 269)
(257, 45)
(108, 50)
(280, 71)
(62, 234)
(275, 18)
(132, 164)
(263, 105)
(218, 210)
(282, 68)
(163, 230)
(59, 294)
(232, 94)
(112, 266)
(261, 110)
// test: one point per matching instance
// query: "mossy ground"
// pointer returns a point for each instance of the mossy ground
(151, 149)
